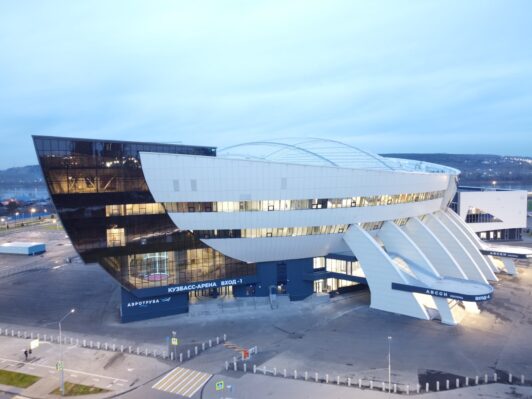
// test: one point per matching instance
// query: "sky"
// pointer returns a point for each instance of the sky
(386, 76)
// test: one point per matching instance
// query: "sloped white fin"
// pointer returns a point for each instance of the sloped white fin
(462, 256)
(468, 245)
(433, 248)
(380, 272)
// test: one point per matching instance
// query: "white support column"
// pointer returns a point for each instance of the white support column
(397, 242)
(509, 266)
(433, 248)
(380, 272)
(468, 244)
(446, 312)
(453, 245)
(471, 307)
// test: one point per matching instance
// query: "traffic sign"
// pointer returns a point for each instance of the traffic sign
(59, 365)
(220, 385)
(174, 341)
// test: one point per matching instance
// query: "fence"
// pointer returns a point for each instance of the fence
(181, 356)
(361, 383)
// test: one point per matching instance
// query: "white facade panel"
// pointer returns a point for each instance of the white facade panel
(509, 206)
(219, 179)
(252, 250)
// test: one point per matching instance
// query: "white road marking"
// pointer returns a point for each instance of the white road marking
(182, 381)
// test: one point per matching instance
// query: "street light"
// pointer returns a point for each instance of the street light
(61, 366)
(32, 211)
(389, 364)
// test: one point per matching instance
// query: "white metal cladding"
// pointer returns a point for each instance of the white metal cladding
(216, 179)
(253, 250)
(508, 206)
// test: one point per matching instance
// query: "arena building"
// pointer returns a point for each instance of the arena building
(294, 217)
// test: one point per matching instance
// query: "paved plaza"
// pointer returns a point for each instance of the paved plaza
(340, 337)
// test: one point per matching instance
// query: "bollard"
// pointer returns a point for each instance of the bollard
(106, 346)
(226, 365)
(71, 341)
(181, 358)
(348, 381)
(284, 373)
(426, 387)
(264, 370)
(467, 381)
(383, 386)
(316, 376)
(522, 379)
(234, 366)
(494, 377)
(188, 353)
(203, 346)
(408, 389)
(77, 341)
(476, 380)
(12, 333)
(394, 388)
(38, 335)
(121, 348)
(245, 368)
(210, 343)
(113, 348)
(44, 338)
(326, 378)
(217, 340)
(18, 333)
(172, 357)
(196, 350)
(84, 343)
(163, 354)
(295, 374)
(437, 386)
(371, 384)
(130, 349)
(98, 344)
(155, 353)
(225, 337)
(146, 351)
(337, 380)
(254, 369)
(138, 351)
(447, 384)
(485, 378)
(90, 345)
(274, 371)
(458, 383)
(306, 375)
(510, 378)
(360, 382)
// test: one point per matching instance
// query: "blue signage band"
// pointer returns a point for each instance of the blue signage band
(441, 294)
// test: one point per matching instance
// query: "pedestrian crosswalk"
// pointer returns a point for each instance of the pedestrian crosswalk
(182, 381)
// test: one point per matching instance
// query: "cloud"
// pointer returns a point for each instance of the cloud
(385, 75)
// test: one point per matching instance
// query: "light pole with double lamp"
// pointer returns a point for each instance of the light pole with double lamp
(60, 365)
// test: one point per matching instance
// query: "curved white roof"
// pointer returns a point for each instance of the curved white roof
(325, 152)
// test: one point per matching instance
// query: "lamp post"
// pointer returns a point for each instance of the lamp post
(60, 365)
(32, 211)
(389, 364)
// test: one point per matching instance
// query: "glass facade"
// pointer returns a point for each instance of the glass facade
(103, 201)
(293, 205)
